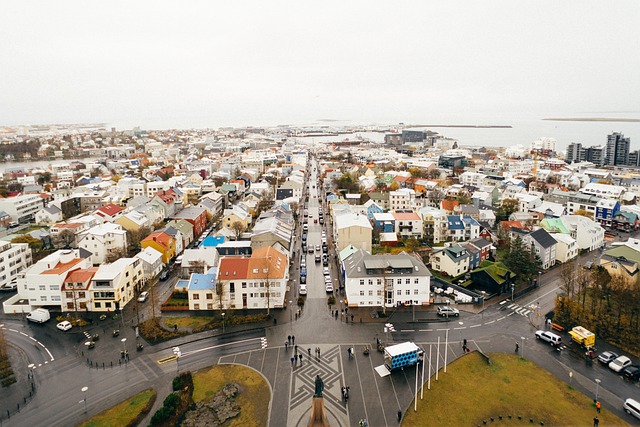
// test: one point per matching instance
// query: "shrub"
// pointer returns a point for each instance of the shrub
(171, 401)
(331, 300)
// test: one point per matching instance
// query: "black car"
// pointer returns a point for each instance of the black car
(632, 372)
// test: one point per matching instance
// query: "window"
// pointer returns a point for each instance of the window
(407, 282)
(81, 295)
(407, 292)
(196, 306)
(361, 282)
(209, 306)
(415, 292)
(379, 281)
(361, 293)
(69, 306)
(43, 298)
(98, 304)
(416, 281)
(399, 281)
(196, 296)
(55, 298)
(69, 294)
(370, 293)
(399, 292)
(209, 296)
(42, 287)
(370, 281)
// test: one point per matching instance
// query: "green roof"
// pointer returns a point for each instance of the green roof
(496, 270)
(554, 225)
(623, 251)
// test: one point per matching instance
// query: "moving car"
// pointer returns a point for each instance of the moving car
(310, 249)
(632, 407)
(445, 310)
(317, 248)
(632, 372)
(620, 363)
(143, 296)
(318, 258)
(64, 325)
(549, 337)
(607, 357)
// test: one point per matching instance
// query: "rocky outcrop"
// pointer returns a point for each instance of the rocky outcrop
(215, 411)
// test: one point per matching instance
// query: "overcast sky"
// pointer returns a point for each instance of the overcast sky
(263, 62)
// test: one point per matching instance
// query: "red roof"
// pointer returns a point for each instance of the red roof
(508, 225)
(448, 205)
(233, 267)
(109, 209)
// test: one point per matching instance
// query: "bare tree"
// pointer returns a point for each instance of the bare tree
(114, 255)
(66, 239)
(238, 228)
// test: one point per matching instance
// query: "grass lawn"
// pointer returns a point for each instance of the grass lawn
(125, 412)
(472, 391)
(253, 397)
(187, 322)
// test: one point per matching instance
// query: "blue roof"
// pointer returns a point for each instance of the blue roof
(470, 221)
(202, 282)
(212, 241)
(455, 223)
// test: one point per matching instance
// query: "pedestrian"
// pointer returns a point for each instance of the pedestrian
(309, 351)
(399, 415)
(349, 352)
(300, 360)
(352, 318)
(296, 350)
(346, 310)
(336, 314)
(293, 340)
(596, 421)
(464, 342)
(296, 358)
(289, 339)
(292, 360)
(598, 406)
(286, 345)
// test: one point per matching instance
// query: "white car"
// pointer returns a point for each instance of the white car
(143, 296)
(328, 287)
(620, 363)
(64, 326)
(445, 310)
(303, 290)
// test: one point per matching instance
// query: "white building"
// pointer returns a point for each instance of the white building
(567, 248)
(589, 234)
(401, 199)
(14, 257)
(151, 262)
(22, 208)
(104, 241)
(115, 284)
(374, 280)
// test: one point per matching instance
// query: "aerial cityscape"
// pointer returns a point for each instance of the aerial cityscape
(273, 214)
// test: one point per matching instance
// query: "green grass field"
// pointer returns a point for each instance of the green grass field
(472, 391)
(187, 321)
(125, 412)
(253, 398)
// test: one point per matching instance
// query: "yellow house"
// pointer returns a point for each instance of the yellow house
(163, 243)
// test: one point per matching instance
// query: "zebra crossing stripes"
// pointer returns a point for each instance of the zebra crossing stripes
(522, 311)
(263, 342)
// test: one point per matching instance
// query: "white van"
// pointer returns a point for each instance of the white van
(549, 337)
(632, 407)
(39, 315)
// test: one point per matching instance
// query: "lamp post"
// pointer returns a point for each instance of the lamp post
(32, 368)
(222, 314)
(84, 399)
(522, 338)
(460, 330)
(483, 298)
(539, 274)
(513, 286)
(597, 387)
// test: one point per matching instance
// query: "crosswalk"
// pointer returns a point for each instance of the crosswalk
(522, 311)
(263, 342)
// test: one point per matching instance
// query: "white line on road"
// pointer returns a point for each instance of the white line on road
(501, 318)
(543, 295)
(425, 330)
(407, 330)
(188, 353)
(442, 329)
(511, 314)
(22, 333)
(474, 326)
(463, 327)
(488, 323)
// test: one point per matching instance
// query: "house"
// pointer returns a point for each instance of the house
(408, 224)
(452, 261)
(106, 242)
(186, 232)
(352, 229)
(14, 257)
(236, 214)
(49, 215)
(392, 280)
(543, 245)
(255, 282)
(622, 260)
(273, 226)
(567, 248)
(163, 243)
(151, 262)
(372, 208)
(493, 278)
(76, 290)
(589, 234)
(115, 284)
(435, 224)
(483, 246)
(195, 216)
(199, 260)
(134, 222)
(401, 199)
(606, 210)
(385, 222)
(177, 236)
(625, 221)
(381, 199)
(461, 228)
(169, 201)
(22, 208)
(109, 212)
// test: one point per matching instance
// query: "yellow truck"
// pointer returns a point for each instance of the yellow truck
(583, 337)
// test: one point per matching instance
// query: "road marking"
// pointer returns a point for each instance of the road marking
(22, 333)
(407, 330)
(501, 318)
(474, 326)
(217, 346)
(442, 329)
(512, 305)
(511, 314)
(544, 295)
(504, 302)
(463, 327)
(488, 323)
(167, 359)
(425, 330)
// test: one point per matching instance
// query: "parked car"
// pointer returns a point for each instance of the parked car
(325, 271)
(632, 372)
(549, 337)
(64, 325)
(445, 310)
(619, 364)
(607, 357)
(317, 248)
(328, 287)
(143, 296)
(303, 290)
(11, 286)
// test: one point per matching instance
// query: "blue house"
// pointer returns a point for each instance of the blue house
(212, 241)
(605, 211)
(385, 222)
(372, 208)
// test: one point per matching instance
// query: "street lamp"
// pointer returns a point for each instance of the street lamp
(124, 348)
(32, 368)
(513, 286)
(539, 274)
(460, 330)
(522, 338)
(84, 394)
(223, 322)
(597, 387)
(483, 298)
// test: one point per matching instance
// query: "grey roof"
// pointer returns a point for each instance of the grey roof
(480, 242)
(52, 209)
(543, 238)
(362, 264)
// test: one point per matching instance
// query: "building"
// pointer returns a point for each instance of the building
(196, 216)
(23, 208)
(49, 215)
(151, 262)
(543, 245)
(115, 284)
(106, 242)
(452, 261)
(408, 224)
(566, 249)
(392, 280)
(14, 257)
(163, 243)
(606, 210)
(617, 150)
(352, 229)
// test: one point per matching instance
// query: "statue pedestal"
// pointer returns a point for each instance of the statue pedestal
(318, 418)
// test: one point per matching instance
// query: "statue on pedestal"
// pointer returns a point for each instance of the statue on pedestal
(319, 387)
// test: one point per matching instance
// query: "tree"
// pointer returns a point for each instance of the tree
(507, 207)
(434, 173)
(417, 172)
(66, 238)
(585, 213)
(114, 255)
(35, 244)
(522, 260)
(394, 186)
(238, 228)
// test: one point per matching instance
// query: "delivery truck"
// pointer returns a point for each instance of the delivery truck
(582, 336)
(39, 315)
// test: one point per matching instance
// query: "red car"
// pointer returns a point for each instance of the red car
(315, 220)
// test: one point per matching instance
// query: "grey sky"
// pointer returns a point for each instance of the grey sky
(270, 62)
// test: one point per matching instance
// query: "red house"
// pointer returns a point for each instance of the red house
(195, 216)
